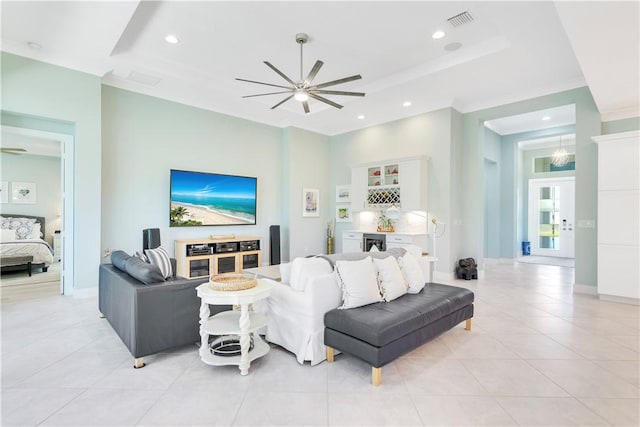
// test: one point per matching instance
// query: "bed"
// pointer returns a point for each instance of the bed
(37, 250)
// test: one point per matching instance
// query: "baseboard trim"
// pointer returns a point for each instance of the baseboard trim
(621, 300)
(584, 289)
(85, 292)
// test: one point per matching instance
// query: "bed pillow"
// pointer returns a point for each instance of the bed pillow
(358, 282)
(303, 270)
(412, 273)
(7, 235)
(118, 259)
(142, 271)
(392, 283)
(160, 258)
(22, 226)
(36, 232)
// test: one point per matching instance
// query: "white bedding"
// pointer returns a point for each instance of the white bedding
(38, 248)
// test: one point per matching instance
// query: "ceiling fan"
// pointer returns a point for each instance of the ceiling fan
(13, 150)
(302, 89)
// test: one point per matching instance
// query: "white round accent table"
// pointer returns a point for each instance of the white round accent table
(242, 323)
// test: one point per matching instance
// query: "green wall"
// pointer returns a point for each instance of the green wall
(587, 125)
(144, 137)
(32, 90)
(623, 125)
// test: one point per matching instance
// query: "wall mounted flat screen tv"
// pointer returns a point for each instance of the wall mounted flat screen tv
(200, 199)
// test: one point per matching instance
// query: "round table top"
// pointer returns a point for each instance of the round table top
(246, 296)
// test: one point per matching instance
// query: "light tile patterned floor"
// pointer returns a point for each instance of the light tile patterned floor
(537, 355)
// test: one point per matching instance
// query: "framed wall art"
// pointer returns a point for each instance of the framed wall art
(23, 192)
(343, 213)
(343, 193)
(310, 202)
(4, 192)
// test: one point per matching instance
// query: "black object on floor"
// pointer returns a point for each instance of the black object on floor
(467, 269)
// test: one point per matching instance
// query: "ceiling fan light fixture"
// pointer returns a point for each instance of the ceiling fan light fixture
(301, 95)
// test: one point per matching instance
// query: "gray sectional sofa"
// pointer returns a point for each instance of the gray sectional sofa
(150, 318)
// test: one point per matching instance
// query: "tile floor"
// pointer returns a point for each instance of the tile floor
(537, 355)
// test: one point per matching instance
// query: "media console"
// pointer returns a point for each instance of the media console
(225, 254)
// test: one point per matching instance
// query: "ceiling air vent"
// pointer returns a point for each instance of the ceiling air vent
(460, 19)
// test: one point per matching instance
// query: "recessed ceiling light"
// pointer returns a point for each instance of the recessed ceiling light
(34, 45)
(545, 118)
(361, 117)
(406, 104)
(438, 34)
(171, 39)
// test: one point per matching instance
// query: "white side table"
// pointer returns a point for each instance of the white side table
(241, 323)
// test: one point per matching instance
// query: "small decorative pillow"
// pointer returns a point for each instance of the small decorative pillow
(160, 258)
(358, 282)
(7, 235)
(36, 232)
(412, 273)
(392, 283)
(303, 270)
(142, 271)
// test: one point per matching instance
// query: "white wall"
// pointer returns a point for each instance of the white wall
(145, 137)
(44, 171)
(428, 134)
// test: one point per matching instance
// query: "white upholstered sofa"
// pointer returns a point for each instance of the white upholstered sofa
(296, 317)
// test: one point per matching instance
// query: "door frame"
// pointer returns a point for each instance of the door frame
(67, 171)
(532, 195)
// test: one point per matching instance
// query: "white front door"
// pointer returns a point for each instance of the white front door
(552, 217)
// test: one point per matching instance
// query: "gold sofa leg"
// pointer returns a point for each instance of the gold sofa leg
(376, 376)
(138, 363)
(101, 315)
(467, 325)
(330, 354)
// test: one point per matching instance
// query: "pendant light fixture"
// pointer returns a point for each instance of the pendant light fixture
(560, 157)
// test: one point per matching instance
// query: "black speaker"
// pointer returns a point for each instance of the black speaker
(274, 245)
(150, 238)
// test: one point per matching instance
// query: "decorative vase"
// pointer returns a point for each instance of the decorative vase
(329, 245)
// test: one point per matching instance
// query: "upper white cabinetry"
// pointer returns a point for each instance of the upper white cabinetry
(401, 183)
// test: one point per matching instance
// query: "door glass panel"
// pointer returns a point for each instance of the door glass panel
(549, 217)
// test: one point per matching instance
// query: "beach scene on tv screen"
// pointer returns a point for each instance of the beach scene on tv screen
(211, 199)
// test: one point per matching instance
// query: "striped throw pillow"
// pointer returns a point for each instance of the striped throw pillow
(160, 258)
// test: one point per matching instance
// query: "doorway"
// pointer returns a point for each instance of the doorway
(41, 139)
(551, 223)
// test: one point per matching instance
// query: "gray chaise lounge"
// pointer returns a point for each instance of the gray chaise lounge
(379, 333)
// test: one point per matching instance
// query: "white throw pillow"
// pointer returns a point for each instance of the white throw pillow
(160, 258)
(412, 273)
(303, 270)
(36, 233)
(7, 235)
(358, 282)
(285, 272)
(392, 283)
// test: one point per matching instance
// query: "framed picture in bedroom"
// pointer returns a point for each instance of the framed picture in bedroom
(23, 192)
(310, 202)
(4, 192)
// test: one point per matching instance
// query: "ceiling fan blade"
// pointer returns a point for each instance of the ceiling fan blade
(338, 92)
(261, 83)
(337, 82)
(270, 93)
(313, 72)
(325, 100)
(282, 102)
(280, 73)
(305, 105)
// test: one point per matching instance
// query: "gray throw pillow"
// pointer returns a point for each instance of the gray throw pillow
(118, 258)
(142, 271)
